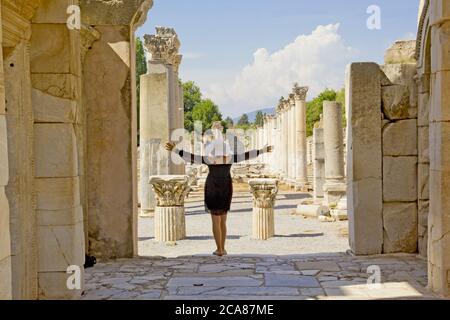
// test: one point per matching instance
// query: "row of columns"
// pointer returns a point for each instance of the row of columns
(287, 132)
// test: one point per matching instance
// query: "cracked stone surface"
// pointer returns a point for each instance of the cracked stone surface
(306, 260)
(238, 277)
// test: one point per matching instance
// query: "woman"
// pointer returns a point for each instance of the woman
(219, 185)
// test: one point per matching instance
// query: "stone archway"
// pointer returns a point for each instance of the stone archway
(434, 83)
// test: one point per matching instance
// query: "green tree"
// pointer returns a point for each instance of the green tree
(340, 97)
(207, 112)
(141, 68)
(259, 120)
(314, 108)
(192, 97)
(229, 123)
(243, 121)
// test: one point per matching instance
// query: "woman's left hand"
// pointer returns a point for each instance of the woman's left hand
(268, 149)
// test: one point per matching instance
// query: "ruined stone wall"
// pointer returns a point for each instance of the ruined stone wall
(433, 54)
(382, 157)
(110, 102)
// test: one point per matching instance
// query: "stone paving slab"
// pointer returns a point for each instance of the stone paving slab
(222, 278)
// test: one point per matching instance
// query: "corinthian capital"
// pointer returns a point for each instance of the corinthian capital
(170, 191)
(300, 92)
(164, 46)
(264, 192)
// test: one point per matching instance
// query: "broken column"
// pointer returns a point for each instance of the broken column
(364, 158)
(301, 174)
(334, 187)
(170, 221)
(159, 111)
(264, 192)
(318, 163)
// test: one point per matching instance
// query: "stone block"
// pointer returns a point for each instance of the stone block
(440, 38)
(60, 247)
(400, 227)
(53, 12)
(50, 45)
(439, 11)
(55, 149)
(439, 146)
(57, 193)
(4, 168)
(423, 109)
(53, 286)
(401, 52)
(364, 158)
(64, 217)
(48, 108)
(399, 179)
(423, 211)
(400, 138)
(311, 210)
(5, 236)
(64, 86)
(423, 181)
(396, 102)
(440, 99)
(423, 144)
(5, 279)
(405, 74)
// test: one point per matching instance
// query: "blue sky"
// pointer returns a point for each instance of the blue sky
(245, 54)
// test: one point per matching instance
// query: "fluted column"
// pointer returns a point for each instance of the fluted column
(160, 113)
(170, 221)
(301, 173)
(264, 192)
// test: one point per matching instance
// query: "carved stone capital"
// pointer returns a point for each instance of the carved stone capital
(164, 46)
(300, 92)
(170, 191)
(264, 192)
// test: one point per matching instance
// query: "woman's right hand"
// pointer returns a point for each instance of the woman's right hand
(169, 146)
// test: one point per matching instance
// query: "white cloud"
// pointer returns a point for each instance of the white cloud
(317, 60)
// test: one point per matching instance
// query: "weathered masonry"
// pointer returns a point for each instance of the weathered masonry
(67, 140)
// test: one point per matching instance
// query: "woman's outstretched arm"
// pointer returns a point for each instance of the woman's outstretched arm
(186, 156)
(190, 157)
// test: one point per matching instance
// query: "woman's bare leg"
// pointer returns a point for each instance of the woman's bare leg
(223, 229)
(217, 232)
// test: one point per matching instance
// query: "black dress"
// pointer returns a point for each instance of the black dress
(219, 184)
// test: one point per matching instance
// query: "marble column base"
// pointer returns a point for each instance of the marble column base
(263, 226)
(146, 213)
(170, 224)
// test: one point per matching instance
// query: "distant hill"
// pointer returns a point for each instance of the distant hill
(252, 115)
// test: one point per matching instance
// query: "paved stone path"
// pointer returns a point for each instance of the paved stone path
(294, 234)
(308, 276)
(306, 260)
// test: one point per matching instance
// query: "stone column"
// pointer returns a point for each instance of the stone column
(292, 151)
(110, 100)
(159, 111)
(301, 173)
(6, 291)
(264, 192)
(318, 163)
(170, 221)
(365, 193)
(285, 138)
(335, 187)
